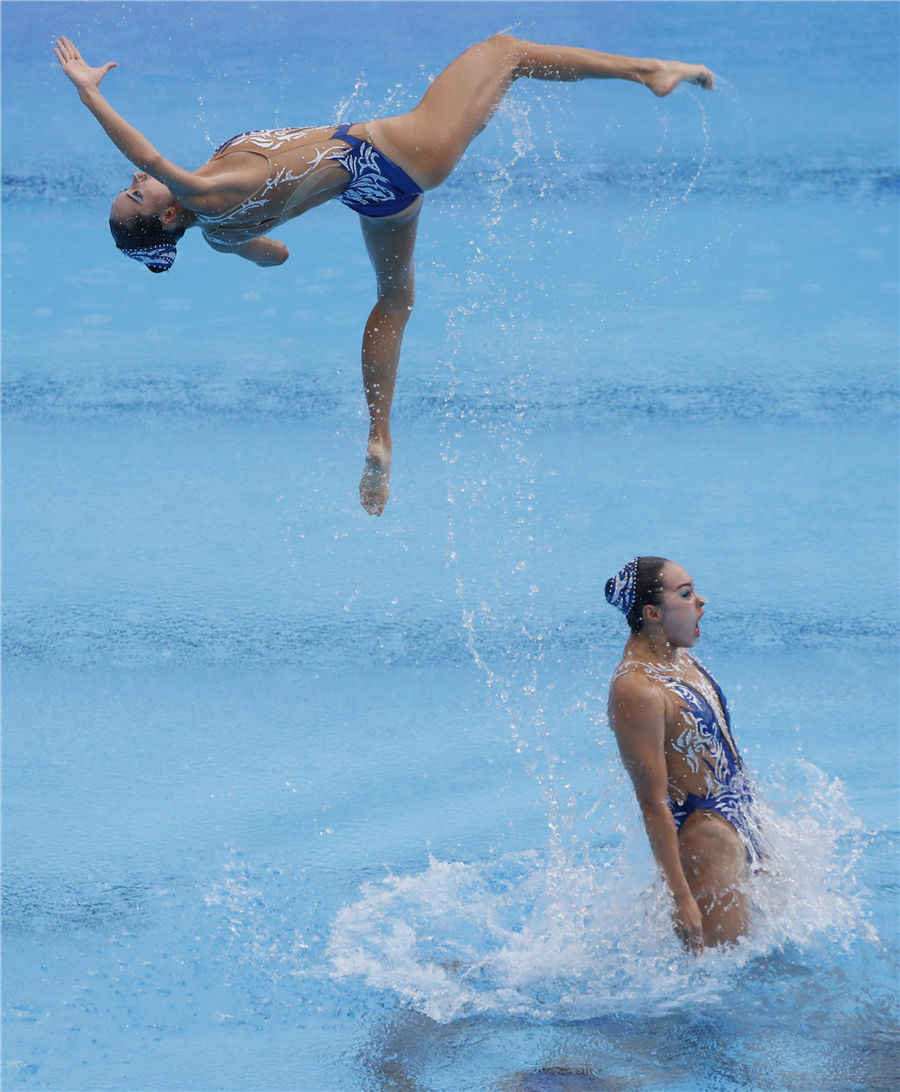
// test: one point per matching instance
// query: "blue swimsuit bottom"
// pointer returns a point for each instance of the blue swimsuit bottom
(377, 186)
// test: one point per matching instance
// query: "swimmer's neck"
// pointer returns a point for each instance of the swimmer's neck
(653, 648)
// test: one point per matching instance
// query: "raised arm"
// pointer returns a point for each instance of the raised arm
(638, 715)
(130, 142)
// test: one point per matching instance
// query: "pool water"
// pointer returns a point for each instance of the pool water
(298, 799)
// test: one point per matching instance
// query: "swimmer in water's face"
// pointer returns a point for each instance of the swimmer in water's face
(380, 168)
(679, 610)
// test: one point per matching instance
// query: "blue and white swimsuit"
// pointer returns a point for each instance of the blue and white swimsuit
(707, 742)
(377, 186)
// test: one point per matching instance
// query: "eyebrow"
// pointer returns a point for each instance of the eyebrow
(686, 584)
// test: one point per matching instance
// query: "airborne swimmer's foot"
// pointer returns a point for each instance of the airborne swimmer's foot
(375, 484)
(671, 73)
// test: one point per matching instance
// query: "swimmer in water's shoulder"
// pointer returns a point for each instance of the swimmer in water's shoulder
(673, 729)
(257, 181)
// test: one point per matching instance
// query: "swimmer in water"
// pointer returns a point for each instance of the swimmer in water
(673, 729)
(257, 181)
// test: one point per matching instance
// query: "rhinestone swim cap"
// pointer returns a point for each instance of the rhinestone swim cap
(154, 257)
(621, 588)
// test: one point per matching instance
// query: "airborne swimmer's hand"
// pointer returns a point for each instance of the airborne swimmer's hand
(85, 78)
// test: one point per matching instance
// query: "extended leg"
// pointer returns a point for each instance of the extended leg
(390, 243)
(429, 141)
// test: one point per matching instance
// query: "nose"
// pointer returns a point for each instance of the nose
(701, 603)
(138, 177)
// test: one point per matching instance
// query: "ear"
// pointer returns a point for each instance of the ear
(169, 215)
(651, 613)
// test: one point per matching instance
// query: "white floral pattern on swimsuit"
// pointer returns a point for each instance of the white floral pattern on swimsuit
(368, 186)
(266, 140)
(706, 745)
(710, 725)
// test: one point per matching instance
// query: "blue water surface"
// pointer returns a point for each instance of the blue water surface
(298, 799)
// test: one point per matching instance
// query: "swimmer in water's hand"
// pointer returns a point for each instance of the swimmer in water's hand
(257, 181)
(674, 735)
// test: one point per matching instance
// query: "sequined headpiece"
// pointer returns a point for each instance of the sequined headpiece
(624, 585)
(157, 256)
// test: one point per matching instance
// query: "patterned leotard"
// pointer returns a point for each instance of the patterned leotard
(376, 186)
(706, 744)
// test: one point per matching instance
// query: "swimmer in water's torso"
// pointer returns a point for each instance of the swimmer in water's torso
(380, 168)
(674, 734)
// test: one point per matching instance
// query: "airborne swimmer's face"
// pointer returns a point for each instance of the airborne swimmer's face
(145, 195)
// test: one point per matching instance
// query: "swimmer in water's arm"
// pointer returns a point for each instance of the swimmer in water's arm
(379, 168)
(674, 734)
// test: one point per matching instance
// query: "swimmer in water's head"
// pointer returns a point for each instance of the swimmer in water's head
(637, 585)
(380, 168)
(673, 729)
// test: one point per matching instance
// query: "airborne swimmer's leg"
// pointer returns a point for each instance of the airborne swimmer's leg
(390, 241)
(429, 141)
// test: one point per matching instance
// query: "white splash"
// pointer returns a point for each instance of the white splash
(546, 935)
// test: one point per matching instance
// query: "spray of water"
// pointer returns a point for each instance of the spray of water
(550, 934)
(580, 926)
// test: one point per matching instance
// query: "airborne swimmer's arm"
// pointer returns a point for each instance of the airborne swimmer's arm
(130, 142)
(262, 251)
